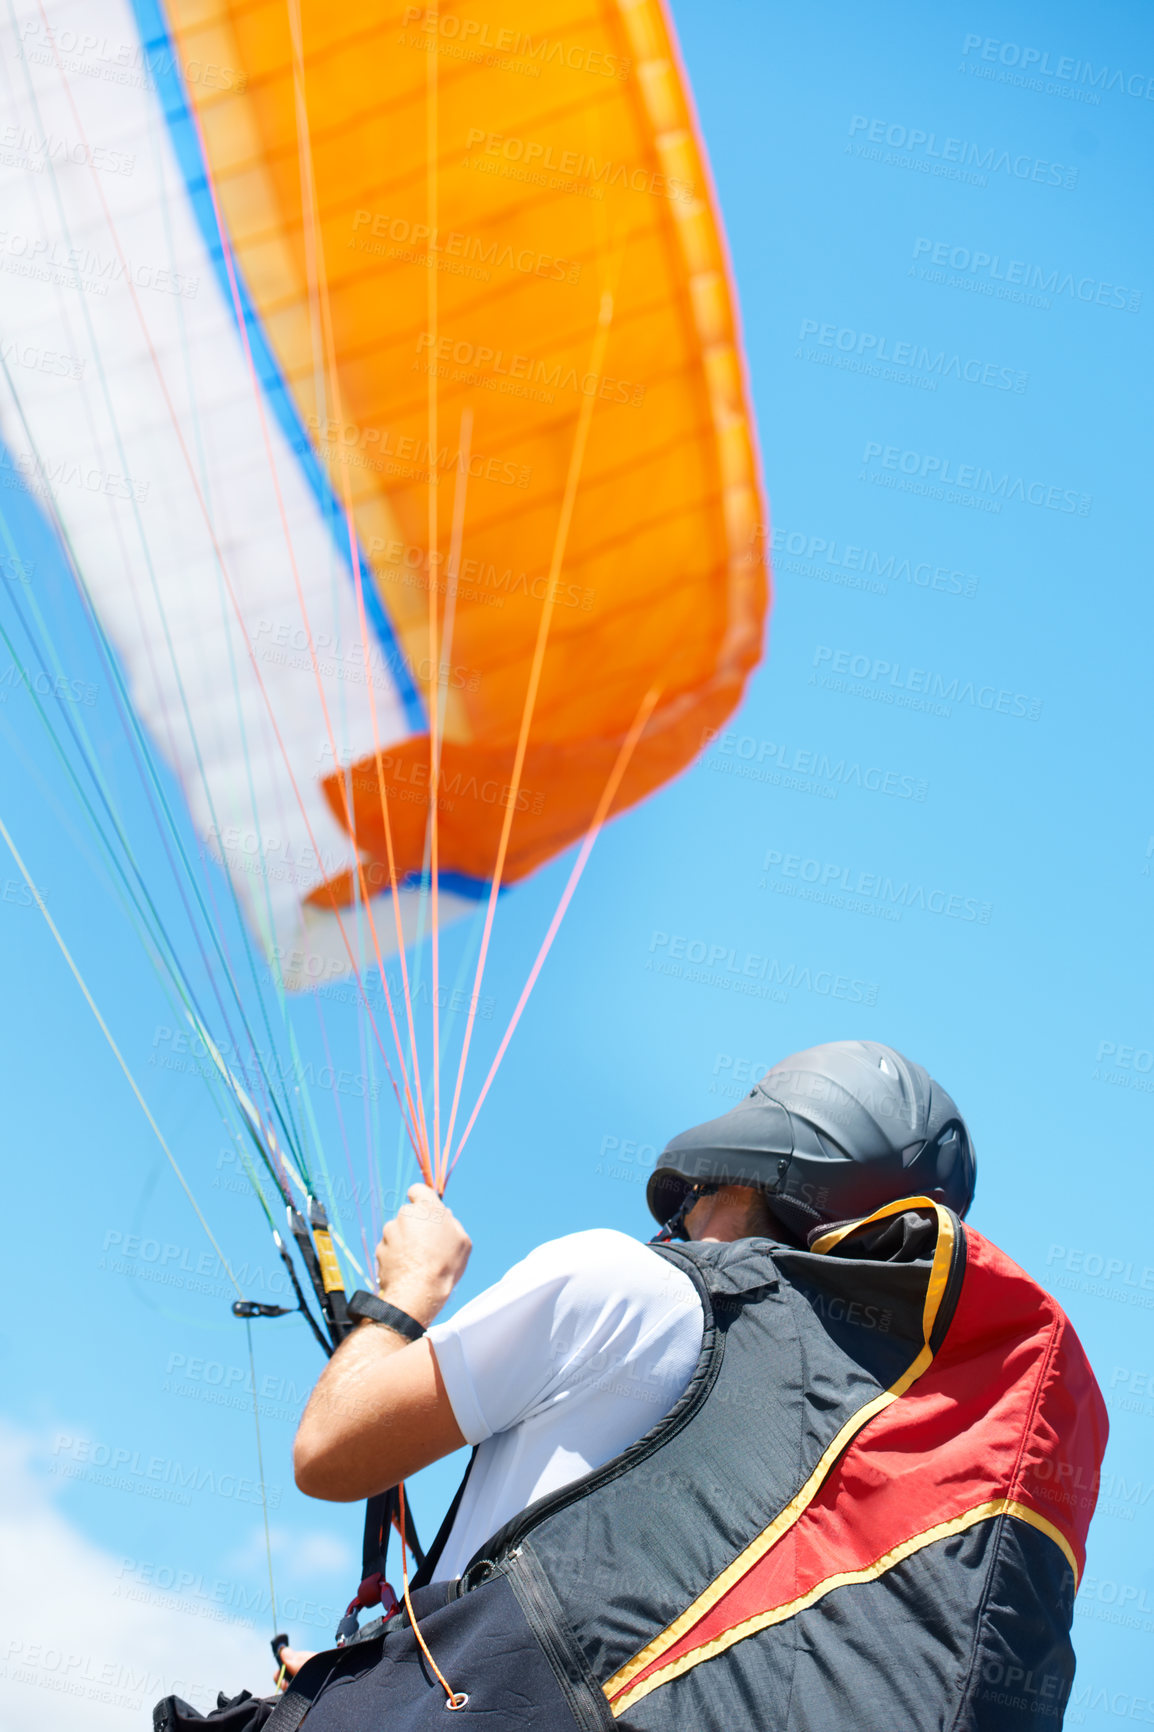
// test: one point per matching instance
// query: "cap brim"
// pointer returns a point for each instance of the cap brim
(742, 1147)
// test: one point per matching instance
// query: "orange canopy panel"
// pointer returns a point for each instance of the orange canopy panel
(458, 226)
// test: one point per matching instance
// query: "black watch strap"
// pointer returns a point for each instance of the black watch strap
(364, 1304)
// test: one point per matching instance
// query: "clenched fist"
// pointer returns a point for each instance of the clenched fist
(422, 1255)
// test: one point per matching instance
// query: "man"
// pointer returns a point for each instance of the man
(559, 1366)
(827, 1463)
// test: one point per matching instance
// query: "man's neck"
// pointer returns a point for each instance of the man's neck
(732, 1212)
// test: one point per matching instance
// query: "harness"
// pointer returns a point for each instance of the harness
(868, 1510)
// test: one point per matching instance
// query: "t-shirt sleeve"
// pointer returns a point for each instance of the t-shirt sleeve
(579, 1308)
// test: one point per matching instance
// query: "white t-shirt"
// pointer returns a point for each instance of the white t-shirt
(566, 1361)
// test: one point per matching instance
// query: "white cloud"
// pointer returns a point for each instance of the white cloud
(81, 1643)
(301, 1557)
(316, 1555)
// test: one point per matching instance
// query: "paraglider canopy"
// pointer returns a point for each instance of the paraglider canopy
(437, 534)
(462, 358)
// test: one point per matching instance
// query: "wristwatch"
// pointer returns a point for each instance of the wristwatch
(364, 1304)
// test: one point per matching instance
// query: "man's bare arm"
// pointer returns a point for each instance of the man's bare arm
(380, 1410)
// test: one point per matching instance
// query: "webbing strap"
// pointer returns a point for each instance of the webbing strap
(310, 1681)
(433, 1556)
(301, 1694)
(379, 1513)
(382, 1513)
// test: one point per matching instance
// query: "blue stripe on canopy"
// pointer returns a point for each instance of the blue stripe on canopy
(162, 64)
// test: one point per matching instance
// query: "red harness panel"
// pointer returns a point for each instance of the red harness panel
(1007, 1419)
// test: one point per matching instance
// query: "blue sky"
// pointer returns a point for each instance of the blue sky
(947, 279)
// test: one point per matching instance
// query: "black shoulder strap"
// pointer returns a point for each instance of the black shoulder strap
(433, 1556)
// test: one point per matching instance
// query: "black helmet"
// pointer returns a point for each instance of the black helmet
(829, 1135)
